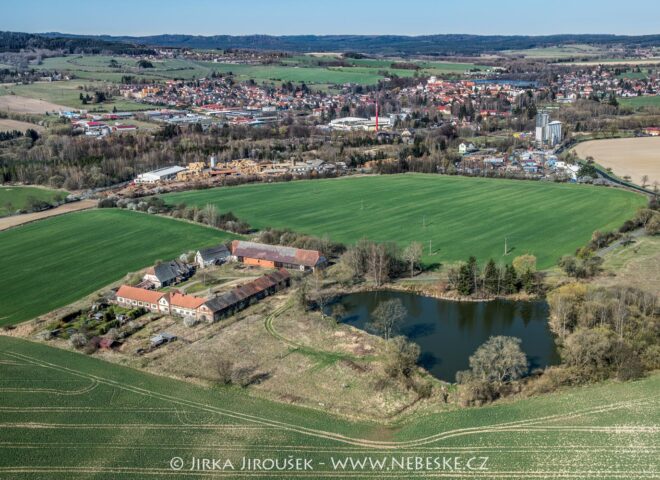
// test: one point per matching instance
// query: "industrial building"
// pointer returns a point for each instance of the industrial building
(160, 175)
(547, 132)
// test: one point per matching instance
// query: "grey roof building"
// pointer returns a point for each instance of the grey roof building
(168, 273)
(212, 256)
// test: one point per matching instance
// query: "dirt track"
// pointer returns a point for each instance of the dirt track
(16, 103)
(16, 220)
(633, 157)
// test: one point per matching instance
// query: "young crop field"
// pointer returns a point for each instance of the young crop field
(65, 415)
(459, 216)
(56, 261)
(16, 198)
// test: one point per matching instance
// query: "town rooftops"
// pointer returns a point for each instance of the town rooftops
(139, 294)
(276, 253)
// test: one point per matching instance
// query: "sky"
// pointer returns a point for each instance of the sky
(323, 17)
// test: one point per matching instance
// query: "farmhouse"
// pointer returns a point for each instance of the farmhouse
(189, 306)
(275, 256)
(167, 273)
(133, 297)
(241, 297)
(184, 305)
(207, 257)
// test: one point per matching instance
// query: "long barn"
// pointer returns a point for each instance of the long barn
(276, 256)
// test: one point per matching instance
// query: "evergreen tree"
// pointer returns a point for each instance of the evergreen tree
(510, 283)
(491, 278)
(473, 269)
(528, 281)
(465, 280)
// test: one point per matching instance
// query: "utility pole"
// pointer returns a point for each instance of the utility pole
(430, 247)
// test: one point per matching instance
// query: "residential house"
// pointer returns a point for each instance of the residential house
(168, 273)
(207, 257)
(133, 297)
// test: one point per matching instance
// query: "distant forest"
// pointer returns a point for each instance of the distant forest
(16, 42)
(445, 45)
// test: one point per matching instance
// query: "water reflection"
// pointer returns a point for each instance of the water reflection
(449, 332)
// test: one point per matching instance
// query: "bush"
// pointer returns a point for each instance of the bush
(110, 202)
(224, 368)
(477, 393)
(190, 322)
(78, 341)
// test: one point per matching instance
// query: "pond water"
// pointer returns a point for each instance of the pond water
(449, 332)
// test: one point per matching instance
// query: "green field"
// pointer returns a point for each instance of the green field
(638, 102)
(67, 93)
(461, 216)
(53, 262)
(65, 415)
(301, 68)
(16, 198)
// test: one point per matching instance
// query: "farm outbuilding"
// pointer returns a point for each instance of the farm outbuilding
(276, 256)
(243, 296)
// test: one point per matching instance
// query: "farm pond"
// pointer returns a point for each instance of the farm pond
(448, 332)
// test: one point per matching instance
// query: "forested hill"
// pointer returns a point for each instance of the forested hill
(379, 44)
(16, 42)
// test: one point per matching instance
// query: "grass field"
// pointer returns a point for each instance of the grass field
(461, 216)
(64, 93)
(634, 265)
(65, 415)
(301, 68)
(56, 261)
(632, 157)
(639, 102)
(15, 198)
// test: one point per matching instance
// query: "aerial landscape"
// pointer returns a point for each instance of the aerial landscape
(313, 240)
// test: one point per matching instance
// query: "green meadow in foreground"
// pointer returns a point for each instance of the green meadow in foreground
(53, 262)
(16, 198)
(460, 216)
(64, 415)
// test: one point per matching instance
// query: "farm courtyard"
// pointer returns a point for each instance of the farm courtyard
(459, 216)
(66, 257)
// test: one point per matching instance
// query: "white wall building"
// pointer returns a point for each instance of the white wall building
(160, 175)
(547, 132)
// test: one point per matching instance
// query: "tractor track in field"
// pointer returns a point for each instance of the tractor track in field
(520, 425)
